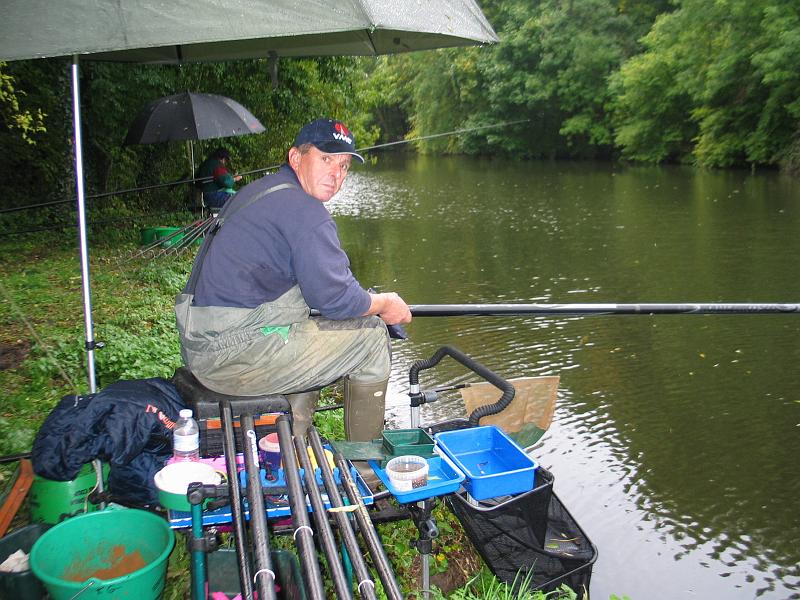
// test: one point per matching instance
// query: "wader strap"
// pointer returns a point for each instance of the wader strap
(230, 209)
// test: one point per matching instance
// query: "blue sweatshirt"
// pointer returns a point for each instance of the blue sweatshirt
(283, 239)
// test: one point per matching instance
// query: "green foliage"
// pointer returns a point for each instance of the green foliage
(114, 93)
(485, 585)
(711, 83)
(26, 122)
(550, 68)
(717, 84)
(178, 582)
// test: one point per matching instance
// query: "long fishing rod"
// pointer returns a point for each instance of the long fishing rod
(500, 310)
(303, 534)
(409, 141)
(365, 585)
(444, 134)
(121, 192)
(513, 310)
(327, 539)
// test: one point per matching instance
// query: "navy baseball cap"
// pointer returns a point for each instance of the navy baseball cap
(328, 135)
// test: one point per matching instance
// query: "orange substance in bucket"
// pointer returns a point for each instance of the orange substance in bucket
(121, 564)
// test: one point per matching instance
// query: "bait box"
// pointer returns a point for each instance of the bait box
(402, 442)
(493, 463)
(443, 478)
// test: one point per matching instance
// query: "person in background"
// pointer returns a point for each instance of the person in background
(243, 317)
(217, 184)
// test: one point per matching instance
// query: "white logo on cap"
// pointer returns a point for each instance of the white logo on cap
(342, 137)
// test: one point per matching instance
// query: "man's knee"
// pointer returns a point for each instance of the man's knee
(378, 365)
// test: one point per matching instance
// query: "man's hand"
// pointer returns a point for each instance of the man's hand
(390, 307)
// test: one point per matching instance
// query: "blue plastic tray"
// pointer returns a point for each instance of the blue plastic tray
(276, 506)
(443, 478)
(493, 463)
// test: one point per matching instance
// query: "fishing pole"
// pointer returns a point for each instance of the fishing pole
(327, 540)
(500, 310)
(303, 535)
(264, 577)
(121, 192)
(235, 494)
(193, 180)
(444, 134)
(366, 586)
(516, 310)
(409, 141)
(368, 531)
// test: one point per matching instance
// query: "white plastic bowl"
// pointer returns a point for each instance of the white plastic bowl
(407, 473)
(173, 480)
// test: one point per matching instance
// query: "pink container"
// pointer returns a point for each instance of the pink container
(269, 451)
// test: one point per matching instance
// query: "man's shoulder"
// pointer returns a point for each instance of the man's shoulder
(287, 200)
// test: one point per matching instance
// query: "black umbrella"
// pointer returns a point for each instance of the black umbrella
(190, 116)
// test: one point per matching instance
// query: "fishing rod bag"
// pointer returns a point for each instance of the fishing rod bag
(529, 534)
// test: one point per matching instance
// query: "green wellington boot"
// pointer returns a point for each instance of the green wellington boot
(303, 406)
(364, 406)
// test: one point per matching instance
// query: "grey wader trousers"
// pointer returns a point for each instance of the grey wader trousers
(275, 348)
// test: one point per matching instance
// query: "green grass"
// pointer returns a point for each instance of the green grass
(42, 335)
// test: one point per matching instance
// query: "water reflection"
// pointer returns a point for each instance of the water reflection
(675, 440)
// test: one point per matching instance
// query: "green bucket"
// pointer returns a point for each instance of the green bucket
(115, 553)
(162, 233)
(147, 236)
(53, 501)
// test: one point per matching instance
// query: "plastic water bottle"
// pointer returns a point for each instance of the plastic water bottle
(186, 438)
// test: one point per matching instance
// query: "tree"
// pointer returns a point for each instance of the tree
(27, 123)
(718, 84)
(550, 67)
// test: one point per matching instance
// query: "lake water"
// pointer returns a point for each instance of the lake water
(676, 438)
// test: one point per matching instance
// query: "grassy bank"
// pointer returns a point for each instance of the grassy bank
(42, 339)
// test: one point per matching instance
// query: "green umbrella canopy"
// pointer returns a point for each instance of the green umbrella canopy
(208, 30)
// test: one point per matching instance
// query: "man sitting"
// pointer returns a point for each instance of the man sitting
(244, 314)
(217, 183)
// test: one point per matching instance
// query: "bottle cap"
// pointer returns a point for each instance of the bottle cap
(186, 413)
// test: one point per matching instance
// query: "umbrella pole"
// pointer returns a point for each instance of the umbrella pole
(191, 156)
(84, 248)
(190, 144)
(82, 239)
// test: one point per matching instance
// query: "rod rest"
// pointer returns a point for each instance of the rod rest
(205, 402)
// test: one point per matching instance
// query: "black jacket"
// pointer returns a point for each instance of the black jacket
(128, 425)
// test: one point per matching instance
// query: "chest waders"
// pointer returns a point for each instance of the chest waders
(275, 348)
